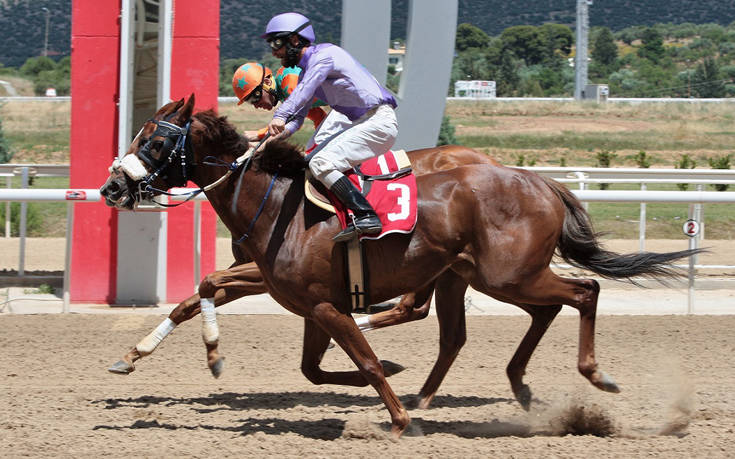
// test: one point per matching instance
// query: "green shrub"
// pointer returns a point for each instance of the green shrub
(446, 132)
(686, 162)
(33, 218)
(720, 162)
(643, 160)
(604, 159)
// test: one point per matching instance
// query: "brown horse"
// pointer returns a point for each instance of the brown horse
(490, 227)
(243, 278)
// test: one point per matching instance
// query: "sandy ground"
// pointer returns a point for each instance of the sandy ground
(47, 254)
(57, 399)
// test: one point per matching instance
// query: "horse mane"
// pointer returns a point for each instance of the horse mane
(218, 131)
(282, 157)
(277, 156)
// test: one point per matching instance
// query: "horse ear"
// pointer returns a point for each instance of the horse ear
(188, 109)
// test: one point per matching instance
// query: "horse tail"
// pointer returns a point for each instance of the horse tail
(579, 246)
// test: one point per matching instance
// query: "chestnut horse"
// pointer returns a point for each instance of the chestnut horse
(491, 227)
(243, 279)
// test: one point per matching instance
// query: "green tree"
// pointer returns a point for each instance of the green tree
(526, 43)
(653, 45)
(5, 154)
(604, 49)
(559, 39)
(507, 75)
(469, 36)
(227, 68)
(35, 65)
(707, 80)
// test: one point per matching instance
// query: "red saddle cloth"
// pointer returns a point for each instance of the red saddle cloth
(394, 200)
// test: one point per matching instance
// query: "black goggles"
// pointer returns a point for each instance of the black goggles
(257, 92)
(277, 43)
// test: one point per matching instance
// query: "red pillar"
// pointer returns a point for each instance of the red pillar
(194, 69)
(95, 44)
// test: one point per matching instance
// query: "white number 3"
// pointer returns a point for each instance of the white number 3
(403, 201)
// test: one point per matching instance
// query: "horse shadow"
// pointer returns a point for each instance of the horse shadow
(323, 429)
(286, 400)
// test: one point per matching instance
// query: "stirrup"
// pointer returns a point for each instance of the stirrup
(354, 229)
(346, 234)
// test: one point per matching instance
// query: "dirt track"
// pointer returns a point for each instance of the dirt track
(58, 400)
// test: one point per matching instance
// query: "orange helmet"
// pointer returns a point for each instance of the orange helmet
(249, 79)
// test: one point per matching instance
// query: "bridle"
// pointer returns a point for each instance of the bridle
(175, 151)
(176, 145)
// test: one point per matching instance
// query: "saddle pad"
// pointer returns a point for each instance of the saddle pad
(395, 201)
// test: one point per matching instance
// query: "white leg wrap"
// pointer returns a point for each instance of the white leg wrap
(149, 344)
(363, 323)
(210, 331)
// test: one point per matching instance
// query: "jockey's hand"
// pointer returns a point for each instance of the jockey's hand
(252, 136)
(276, 126)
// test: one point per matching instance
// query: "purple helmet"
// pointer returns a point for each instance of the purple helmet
(290, 22)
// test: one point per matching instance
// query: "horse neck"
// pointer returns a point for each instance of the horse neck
(253, 189)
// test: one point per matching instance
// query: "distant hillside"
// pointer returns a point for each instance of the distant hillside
(22, 22)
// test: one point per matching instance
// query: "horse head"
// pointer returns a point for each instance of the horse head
(159, 157)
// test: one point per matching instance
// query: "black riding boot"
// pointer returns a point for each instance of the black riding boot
(366, 220)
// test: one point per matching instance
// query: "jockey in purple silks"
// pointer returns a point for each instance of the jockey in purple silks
(362, 123)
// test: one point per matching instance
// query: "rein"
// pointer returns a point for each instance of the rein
(177, 145)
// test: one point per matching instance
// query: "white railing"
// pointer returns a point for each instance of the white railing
(71, 197)
(694, 198)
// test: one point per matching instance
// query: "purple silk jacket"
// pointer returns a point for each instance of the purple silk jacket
(332, 75)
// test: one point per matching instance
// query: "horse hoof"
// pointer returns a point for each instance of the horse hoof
(218, 367)
(121, 367)
(606, 383)
(524, 397)
(391, 368)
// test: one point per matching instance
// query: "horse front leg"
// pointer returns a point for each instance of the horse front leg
(232, 283)
(316, 342)
(344, 330)
(183, 312)
(218, 288)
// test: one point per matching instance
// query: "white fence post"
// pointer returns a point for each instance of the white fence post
(23, 221)
(66, 295)
(642, 224)
(9, 181)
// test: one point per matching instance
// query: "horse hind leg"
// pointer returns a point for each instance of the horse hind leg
(405, 311)
(581, 294)
(541, 318)
(450, 290)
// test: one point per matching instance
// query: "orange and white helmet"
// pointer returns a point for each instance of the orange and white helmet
(249, 82)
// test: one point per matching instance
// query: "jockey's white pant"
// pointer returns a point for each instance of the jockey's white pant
(343, 144)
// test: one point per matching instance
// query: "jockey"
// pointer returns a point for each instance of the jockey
(264, 90)
(361, 107)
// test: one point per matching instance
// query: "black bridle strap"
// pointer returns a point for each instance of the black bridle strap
(260, 210)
